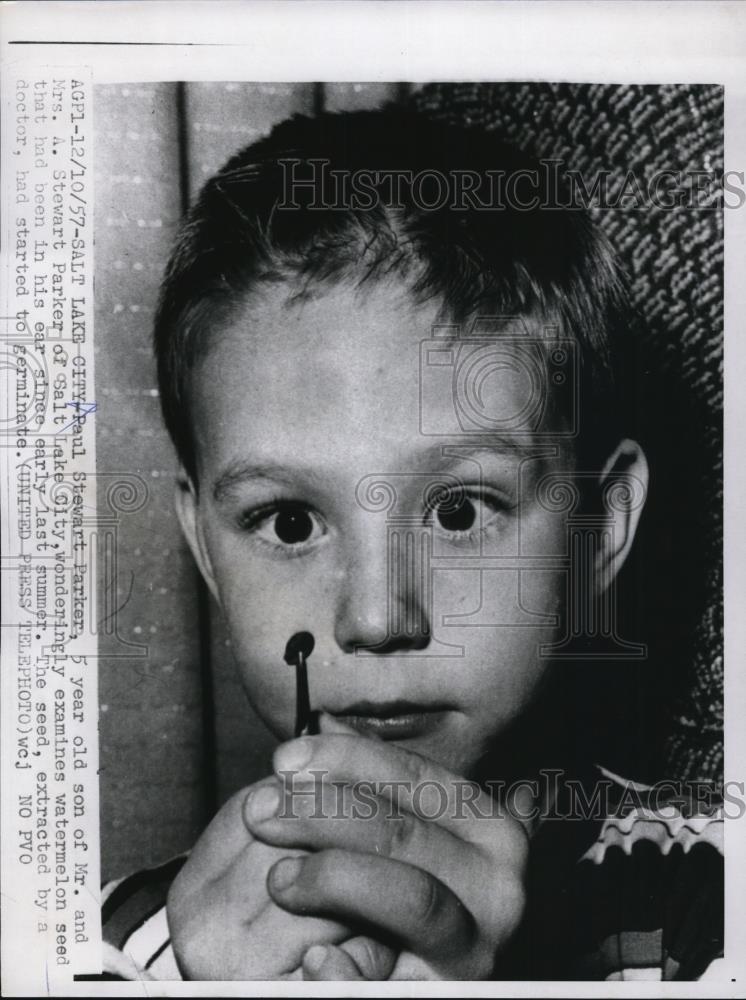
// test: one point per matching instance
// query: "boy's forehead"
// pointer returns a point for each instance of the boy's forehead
(343, 320)
(343, 340)
(344, 373)
(294, 371)
(344, 327)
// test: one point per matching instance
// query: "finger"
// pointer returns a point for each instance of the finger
(226, 836)
(323, 820)
(336, 816)
(407, 778)
(412, 782)
(358, 958)
(374, 959)
(400, 900)
(325, 963)
(319, 818)
(275, 942)
(226, 842)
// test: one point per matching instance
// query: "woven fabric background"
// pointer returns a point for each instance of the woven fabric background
(675, 260)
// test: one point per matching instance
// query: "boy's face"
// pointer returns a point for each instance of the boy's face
(299, 411)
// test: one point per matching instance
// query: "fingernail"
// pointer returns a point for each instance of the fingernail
(263, 803)
(285, 872)
(314, 958)
(293, 756)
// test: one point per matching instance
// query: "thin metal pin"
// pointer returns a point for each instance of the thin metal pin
(299, 648)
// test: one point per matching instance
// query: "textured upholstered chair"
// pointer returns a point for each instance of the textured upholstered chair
(674, 257)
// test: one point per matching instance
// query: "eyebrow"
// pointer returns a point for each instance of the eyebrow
(453, 451)
(240, 471)
(243, 471)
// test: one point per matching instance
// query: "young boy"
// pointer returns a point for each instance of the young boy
(388, 360)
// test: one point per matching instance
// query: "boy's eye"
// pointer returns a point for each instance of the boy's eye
(283, 524)
(293, 525)
(460, 516)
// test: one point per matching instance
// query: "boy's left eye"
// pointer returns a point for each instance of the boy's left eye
(461, 516)
(457, 517)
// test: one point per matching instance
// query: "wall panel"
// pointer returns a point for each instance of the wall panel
(152, 778)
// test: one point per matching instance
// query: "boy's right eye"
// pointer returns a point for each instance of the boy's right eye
(287, 524)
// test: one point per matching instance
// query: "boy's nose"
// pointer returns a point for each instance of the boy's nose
(383, 604)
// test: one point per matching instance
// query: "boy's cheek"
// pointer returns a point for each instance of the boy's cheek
(501, 597)
(543, 518)
(258, 642)
(270, 688)
(542, 595)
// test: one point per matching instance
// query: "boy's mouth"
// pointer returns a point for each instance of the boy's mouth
(393, 720)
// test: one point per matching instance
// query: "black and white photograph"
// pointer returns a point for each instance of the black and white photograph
(380, 425)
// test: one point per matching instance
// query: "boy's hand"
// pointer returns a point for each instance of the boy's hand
(225, 926)
(447, 889)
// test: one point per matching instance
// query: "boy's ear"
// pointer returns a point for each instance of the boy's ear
(187, 509)
(623, 486)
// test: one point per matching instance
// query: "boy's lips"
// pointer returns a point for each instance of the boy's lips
(393, 720)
